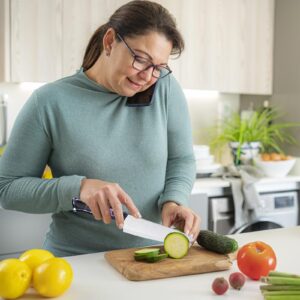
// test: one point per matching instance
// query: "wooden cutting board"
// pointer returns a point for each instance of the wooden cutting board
(197, 261)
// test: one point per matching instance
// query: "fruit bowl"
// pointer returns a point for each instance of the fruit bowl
(275, 168)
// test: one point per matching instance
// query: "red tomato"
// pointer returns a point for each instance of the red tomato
(256, 259)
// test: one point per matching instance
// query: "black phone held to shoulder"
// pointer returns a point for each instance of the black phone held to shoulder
(143, 98)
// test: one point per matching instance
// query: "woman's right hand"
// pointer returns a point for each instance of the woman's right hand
(100, 196)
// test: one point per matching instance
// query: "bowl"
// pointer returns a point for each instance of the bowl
(274, 168)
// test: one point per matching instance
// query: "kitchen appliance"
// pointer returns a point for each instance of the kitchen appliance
(3, 120)
(198, 260)
(278, 209)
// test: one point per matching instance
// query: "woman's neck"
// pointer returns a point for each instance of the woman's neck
(95, 73)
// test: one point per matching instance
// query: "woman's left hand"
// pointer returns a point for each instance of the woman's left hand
(182, 218)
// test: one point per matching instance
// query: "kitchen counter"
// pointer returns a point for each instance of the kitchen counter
(94, 278)
(216, 185)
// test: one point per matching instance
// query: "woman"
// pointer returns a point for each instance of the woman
(116, 135)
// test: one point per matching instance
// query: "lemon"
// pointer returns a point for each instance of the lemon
(35, 257)
(53, 277)
(15, 277)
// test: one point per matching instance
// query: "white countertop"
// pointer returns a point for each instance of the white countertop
(215, 185)
(94, 278)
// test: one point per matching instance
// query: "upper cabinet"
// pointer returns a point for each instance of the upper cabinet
(36, 40)
(4, 41)
(228, 43)
(80, 19)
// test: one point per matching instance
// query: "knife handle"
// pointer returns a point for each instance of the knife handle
(79, 205)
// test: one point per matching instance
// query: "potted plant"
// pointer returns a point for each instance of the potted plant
(258, 132)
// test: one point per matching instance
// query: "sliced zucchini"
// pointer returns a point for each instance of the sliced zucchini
(147, 251)
(142, 254)
(156, 258)
(176, 245)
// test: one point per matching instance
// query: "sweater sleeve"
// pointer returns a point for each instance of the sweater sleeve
(181, 168)
(23, 163)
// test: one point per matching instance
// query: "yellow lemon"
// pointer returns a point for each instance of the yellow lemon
(53, 277)
(15, 277)
(35, 257)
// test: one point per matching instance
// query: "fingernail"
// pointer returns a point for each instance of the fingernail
(138, 215)
(191, 236)
(187, 233)
(121, 226)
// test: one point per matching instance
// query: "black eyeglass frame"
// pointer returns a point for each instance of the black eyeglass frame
(151, 65)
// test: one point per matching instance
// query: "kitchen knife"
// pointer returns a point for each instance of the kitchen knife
(135, 226)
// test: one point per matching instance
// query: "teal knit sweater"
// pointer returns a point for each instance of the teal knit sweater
(82, 130)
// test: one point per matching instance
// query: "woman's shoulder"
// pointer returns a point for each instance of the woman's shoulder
(170, 88)
(57, 89)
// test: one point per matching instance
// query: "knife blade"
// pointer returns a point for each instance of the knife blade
(135, 226)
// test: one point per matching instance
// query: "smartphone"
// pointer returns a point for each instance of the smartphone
(143, 98)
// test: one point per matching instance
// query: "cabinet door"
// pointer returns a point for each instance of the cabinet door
(229, 44)
(36, 40)
(4, 41)
(80, 19)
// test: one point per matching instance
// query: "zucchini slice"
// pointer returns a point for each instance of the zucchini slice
(156, 258)
(143, 254)
(147, 251)
(149, 255)
(176, 245)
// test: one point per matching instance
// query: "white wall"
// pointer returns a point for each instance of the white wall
(16, 96)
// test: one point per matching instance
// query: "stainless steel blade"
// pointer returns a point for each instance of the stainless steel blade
(147, 229)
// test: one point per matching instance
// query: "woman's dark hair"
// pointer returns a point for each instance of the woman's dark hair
(132, 19)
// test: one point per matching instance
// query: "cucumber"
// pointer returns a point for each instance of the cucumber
(216, 242)
(176, 245)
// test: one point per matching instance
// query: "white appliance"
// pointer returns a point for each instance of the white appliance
(279, 209)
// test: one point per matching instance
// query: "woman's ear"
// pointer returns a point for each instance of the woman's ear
(108, 39)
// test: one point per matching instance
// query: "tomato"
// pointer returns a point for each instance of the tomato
(256, 259)
(15, 277)
(53, 277)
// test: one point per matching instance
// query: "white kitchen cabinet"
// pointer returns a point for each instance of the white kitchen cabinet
(36, 40)
(229, 44)
(21, 231)
(80, 20)
(4, 41)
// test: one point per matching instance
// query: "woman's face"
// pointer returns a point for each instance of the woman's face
(121, 77)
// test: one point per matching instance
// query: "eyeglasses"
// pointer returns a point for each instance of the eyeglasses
(142, 64)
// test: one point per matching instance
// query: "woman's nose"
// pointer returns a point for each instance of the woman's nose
(146, 74)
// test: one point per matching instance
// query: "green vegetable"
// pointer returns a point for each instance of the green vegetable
(216, 242)
(282, 274)
(176, 245)
(149, 255)
(282, 297)
(270, 287)
(157, 257)
(147, 252)
(276, 280)
(282, 286)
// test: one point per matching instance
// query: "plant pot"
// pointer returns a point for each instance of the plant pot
(244, 154)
